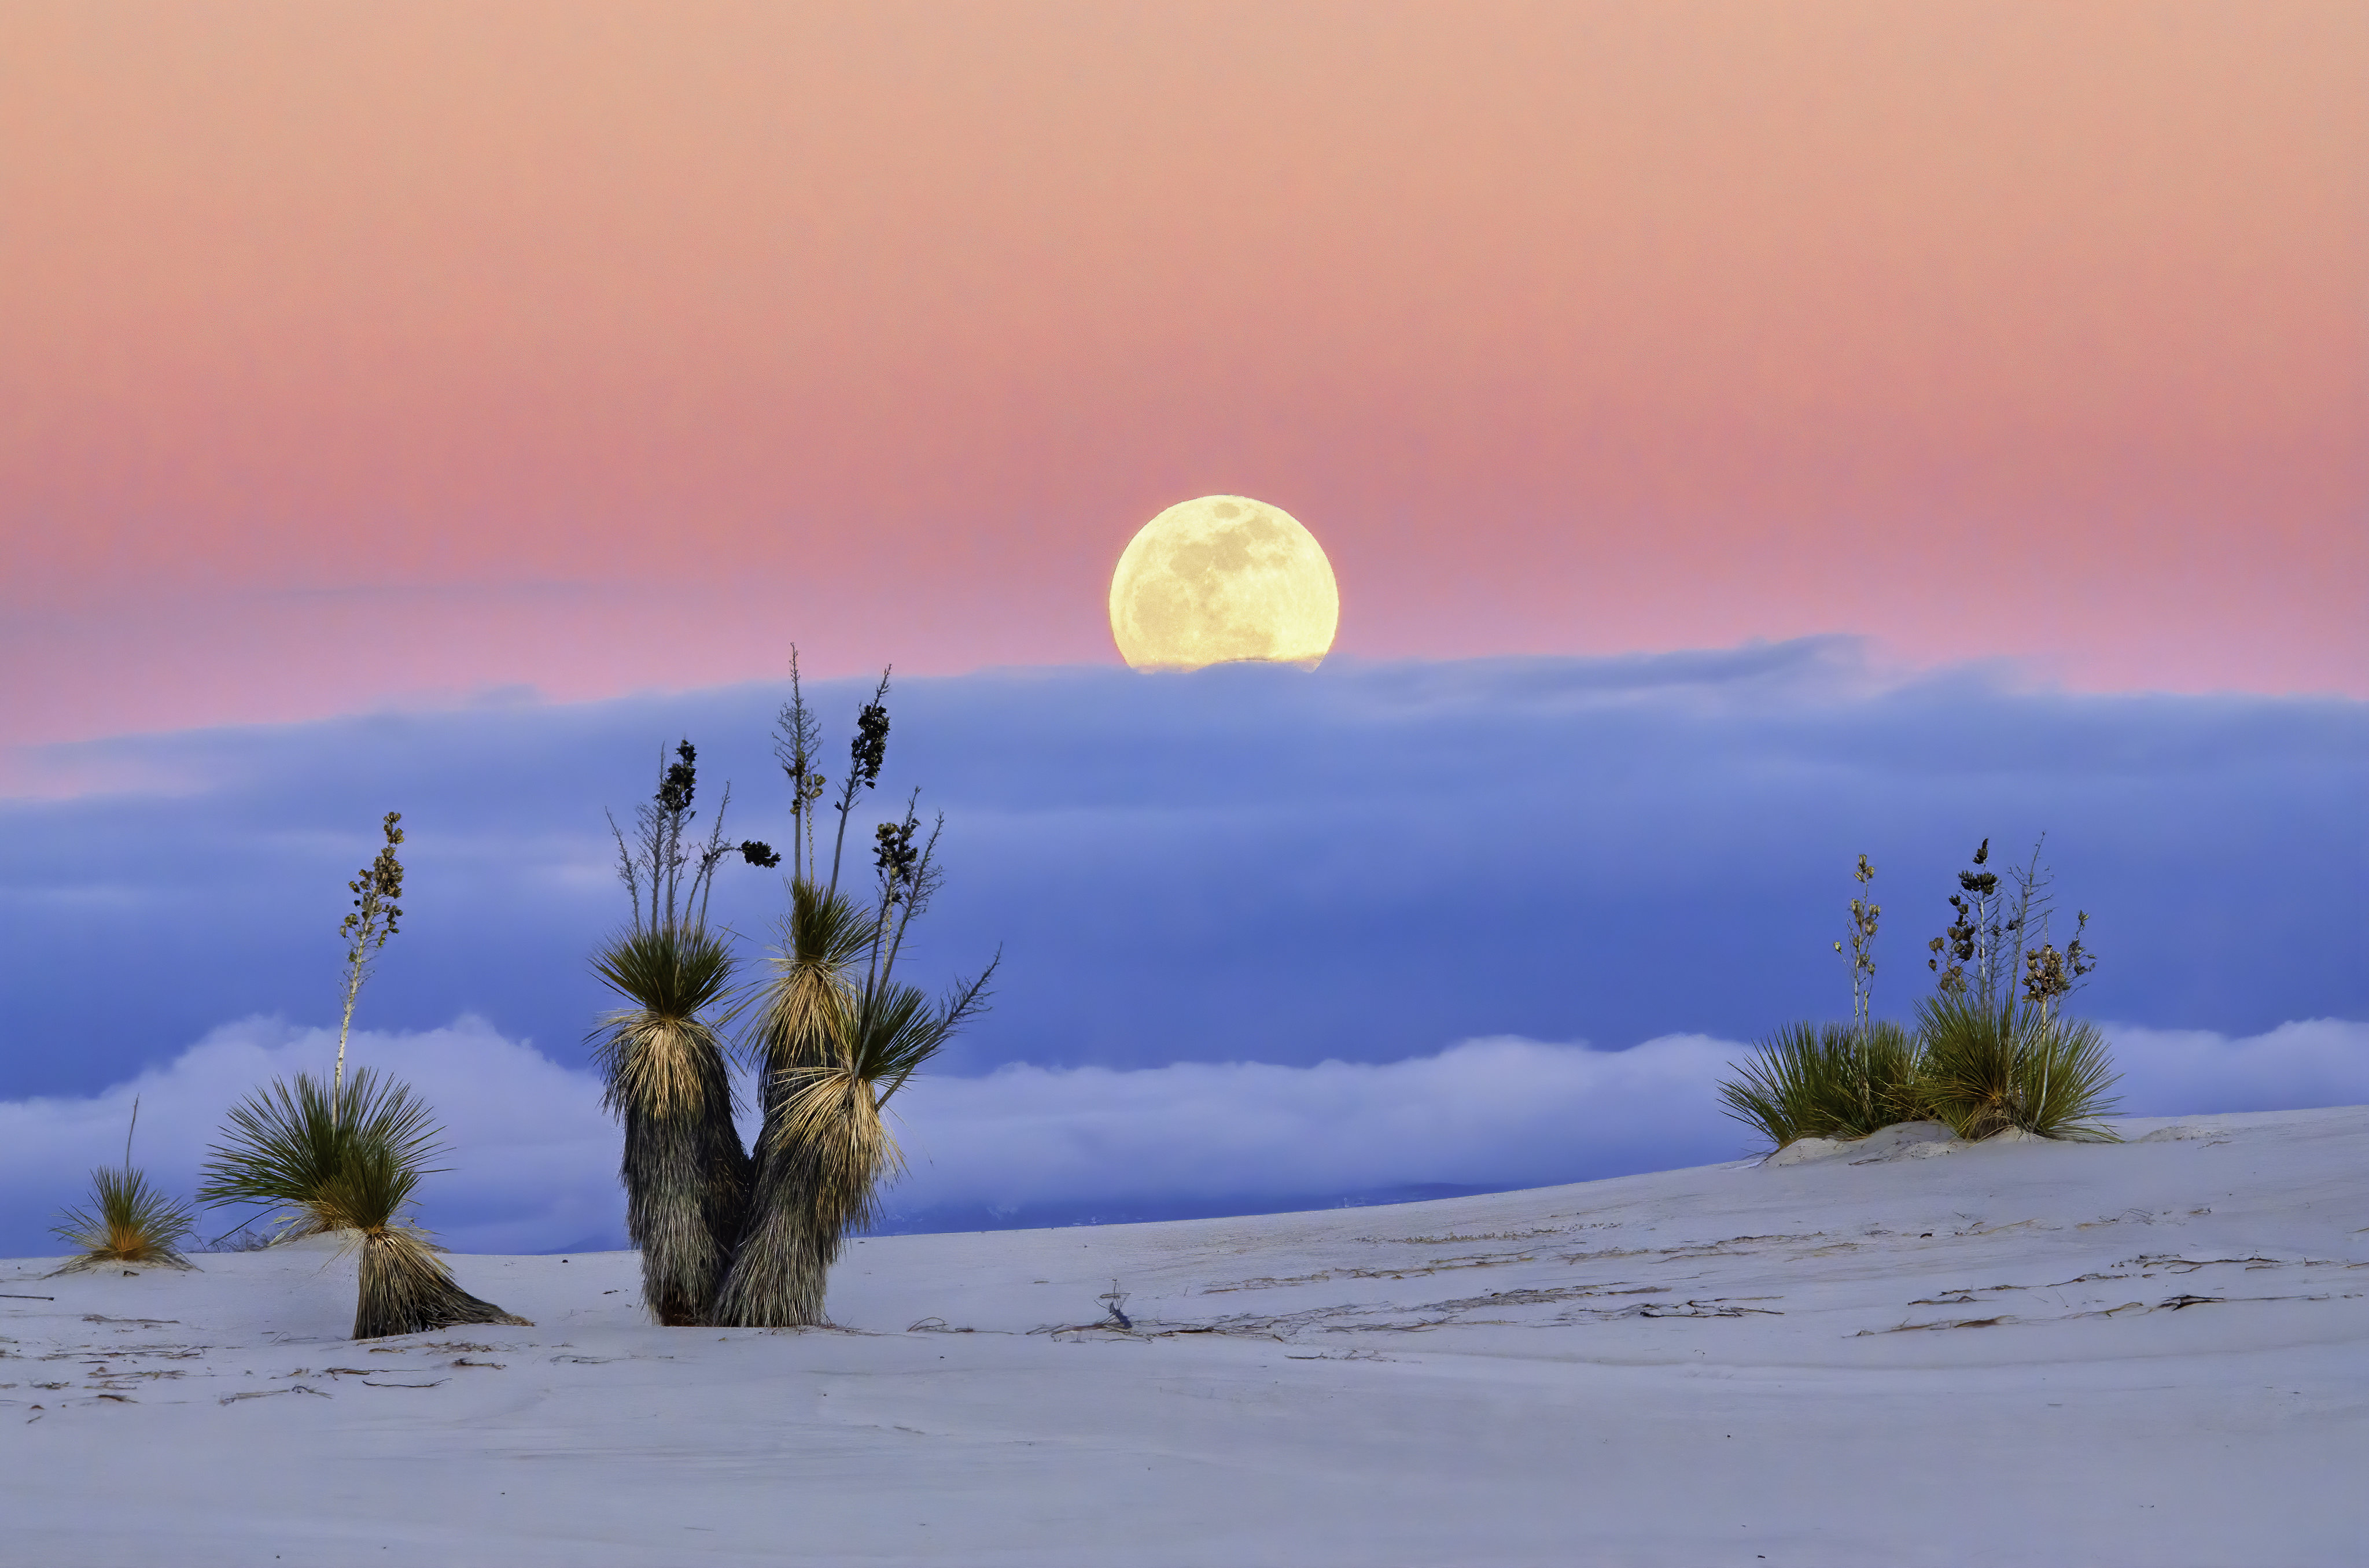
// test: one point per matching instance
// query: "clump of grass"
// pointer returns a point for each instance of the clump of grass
(1833, 1079)
(350, 1162)
(1830, 1080)
(128, 1220)
(1988, 1070)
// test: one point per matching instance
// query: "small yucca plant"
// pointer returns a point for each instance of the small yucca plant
(404, 1289)
(350, 1163)
(1988, 1070)
(128, 1220)
(1831, 1080)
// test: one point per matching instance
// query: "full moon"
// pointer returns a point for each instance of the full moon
(1219, 580)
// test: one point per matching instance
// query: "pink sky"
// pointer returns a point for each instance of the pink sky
(354, 353)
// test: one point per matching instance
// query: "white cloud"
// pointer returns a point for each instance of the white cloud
(2181, 1073)
(534, 1156)
(1502, 1112)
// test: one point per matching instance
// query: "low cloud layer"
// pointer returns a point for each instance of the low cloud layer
(1247, 864)
(1240, 914)
(534, 1155)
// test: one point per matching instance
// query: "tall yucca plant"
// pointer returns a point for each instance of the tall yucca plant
(802, 1018)
(831, 1044)
(313, 1117)
(349, 1160)
(685, 1173)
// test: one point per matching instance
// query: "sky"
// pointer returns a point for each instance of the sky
(360, 354)
(1744, 436)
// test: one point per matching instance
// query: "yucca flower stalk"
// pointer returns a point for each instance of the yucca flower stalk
(349, 1160)
(374, 918)
(1865, 914)
(685, 1173)
(129, 1222)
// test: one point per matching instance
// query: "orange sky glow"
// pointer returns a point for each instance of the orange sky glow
(354, 352)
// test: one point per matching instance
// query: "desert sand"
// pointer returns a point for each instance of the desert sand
(2011, 1352)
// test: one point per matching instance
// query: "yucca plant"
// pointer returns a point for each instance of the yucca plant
(306, 1126)
(802, 1020)
(1988, 1070)
(284, 1145)
(1833, 1080)
(348, 1162)
(685, 1173)
(129, 1222)
(832, 1047)
(1830, 1080)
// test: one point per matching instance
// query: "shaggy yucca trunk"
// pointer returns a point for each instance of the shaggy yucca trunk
(821, 1163)
(686, 1175)
(686, 1197)
(779, 1275)
(404, 1289)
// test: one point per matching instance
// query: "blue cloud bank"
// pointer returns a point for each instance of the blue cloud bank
(1365, 865)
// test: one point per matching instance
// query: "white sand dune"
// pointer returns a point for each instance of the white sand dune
(2151, 1353)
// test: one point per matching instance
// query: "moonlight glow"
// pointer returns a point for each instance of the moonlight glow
(1223, 578)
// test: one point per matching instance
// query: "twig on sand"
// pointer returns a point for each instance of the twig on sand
(267, 1393)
